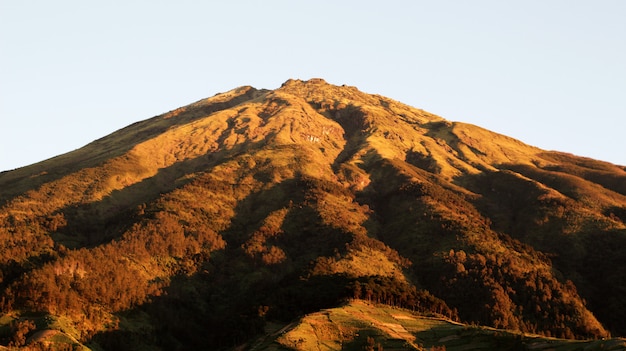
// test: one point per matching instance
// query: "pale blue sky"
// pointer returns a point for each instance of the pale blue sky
(550, 73)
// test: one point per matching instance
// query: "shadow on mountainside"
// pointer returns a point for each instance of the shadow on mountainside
(581, 248)
(96, 223)
(226, 301)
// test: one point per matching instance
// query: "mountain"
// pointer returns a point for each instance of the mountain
(198, 228)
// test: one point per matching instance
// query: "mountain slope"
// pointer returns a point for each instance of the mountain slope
(258, 205)
(358, 325)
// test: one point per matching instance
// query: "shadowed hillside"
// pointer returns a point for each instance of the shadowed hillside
(202, 225)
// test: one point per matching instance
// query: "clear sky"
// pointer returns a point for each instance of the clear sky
(551, 73)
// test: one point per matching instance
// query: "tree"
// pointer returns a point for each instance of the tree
(20, 329)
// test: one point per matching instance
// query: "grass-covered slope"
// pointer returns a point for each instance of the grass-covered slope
(359, 325)
(199, 226)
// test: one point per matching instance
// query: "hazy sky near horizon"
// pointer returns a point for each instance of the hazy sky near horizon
(551, 73)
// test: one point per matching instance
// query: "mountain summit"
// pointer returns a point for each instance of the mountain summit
(205, 224)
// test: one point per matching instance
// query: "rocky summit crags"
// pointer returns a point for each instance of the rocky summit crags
(210, 223)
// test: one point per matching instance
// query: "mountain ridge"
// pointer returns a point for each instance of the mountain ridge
(243, 202)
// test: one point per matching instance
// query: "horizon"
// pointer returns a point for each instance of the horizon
(550, 75)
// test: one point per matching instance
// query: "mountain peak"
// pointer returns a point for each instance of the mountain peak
(312, 81)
